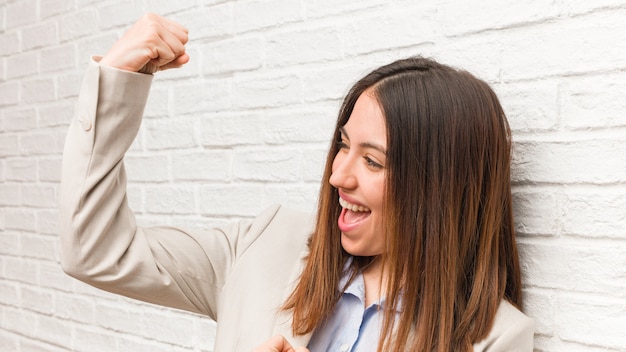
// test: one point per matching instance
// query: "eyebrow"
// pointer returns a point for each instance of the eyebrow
(371, 145)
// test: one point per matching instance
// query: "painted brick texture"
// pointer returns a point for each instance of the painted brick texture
(247, 122)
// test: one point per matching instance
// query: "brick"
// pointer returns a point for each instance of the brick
(94, 45)
(538, 212)
(530, 106)
(50, 169)
(20, 270)
(169, 134)
(68, 85)
(207, 22)
(58, 58)
(273, 165)
(230, 200)
(204, 332)
(229, 129)
(37, 300)
(170, 200)
(257, 14)
(593, 101)
(51, 8)
(324, 8)
(20, 219)
(21, 169)
(11, 243)
(96, 340)
(75, 308)
(589, 267)
(301, 197)
(9, 43)
(165, 7)
(313, 163)
(40, 35)
(331, 82)
(20, 13)
(158, 103)
(594, 212)
(40, 144)
(204, 166)
(10, 294)
(23, 64)
(208, 95)
(541, 306)
(133, 344)
(322, 44)
(39, 247)
(592, 320)
(53, 277)
(78, 24)
(119, 14)
(114, 317)
(493, 14)
(297, 126)
(38, 90)
(9, 93)
(23, 322)
(10, 194)
(247, 54)
(177, 332)
(10, 342)
(48, 224)
(569, 162)
(36, 346)
(379, 31)
(9, 144)
(20, 119)
(54, 331)
(136, 197)
(147, 169)
(541, 50)
(266, 90)
(59, 114)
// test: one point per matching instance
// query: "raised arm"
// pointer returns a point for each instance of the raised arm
(100, 241)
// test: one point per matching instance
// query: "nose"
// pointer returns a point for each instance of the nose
(342, 175)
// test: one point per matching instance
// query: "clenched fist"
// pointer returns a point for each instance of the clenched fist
(153, 43)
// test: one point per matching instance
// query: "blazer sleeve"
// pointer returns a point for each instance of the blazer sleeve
(100, 241)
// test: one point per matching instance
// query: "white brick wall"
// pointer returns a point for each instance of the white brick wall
(247, 123)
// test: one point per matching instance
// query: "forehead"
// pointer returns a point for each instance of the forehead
(367, 120)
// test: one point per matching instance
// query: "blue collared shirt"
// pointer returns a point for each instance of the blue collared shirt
(352, 327)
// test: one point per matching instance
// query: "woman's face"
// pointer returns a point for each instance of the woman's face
(359, 173)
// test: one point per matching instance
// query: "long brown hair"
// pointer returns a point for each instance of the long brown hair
(450, 252)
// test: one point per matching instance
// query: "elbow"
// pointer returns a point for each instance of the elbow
(72, 266)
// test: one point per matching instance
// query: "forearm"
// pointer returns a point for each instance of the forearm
(93, 186)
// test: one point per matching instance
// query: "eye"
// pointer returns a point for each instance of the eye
(370, 162)
(341, 144)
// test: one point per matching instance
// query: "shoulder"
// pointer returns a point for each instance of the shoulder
(512, 331)
(278, 216)
(280, 224)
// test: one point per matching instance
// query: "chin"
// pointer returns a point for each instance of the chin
(358, 251)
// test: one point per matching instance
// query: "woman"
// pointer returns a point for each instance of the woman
(413, 247)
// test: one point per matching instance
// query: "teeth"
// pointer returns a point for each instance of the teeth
(352, 207)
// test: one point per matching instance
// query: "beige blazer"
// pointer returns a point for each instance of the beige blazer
(238, 275)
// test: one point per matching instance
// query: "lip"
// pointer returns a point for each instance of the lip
(349, 199)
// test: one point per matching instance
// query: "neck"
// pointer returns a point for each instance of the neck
(374, 279)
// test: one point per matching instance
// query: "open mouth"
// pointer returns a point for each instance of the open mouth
(351, 215)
